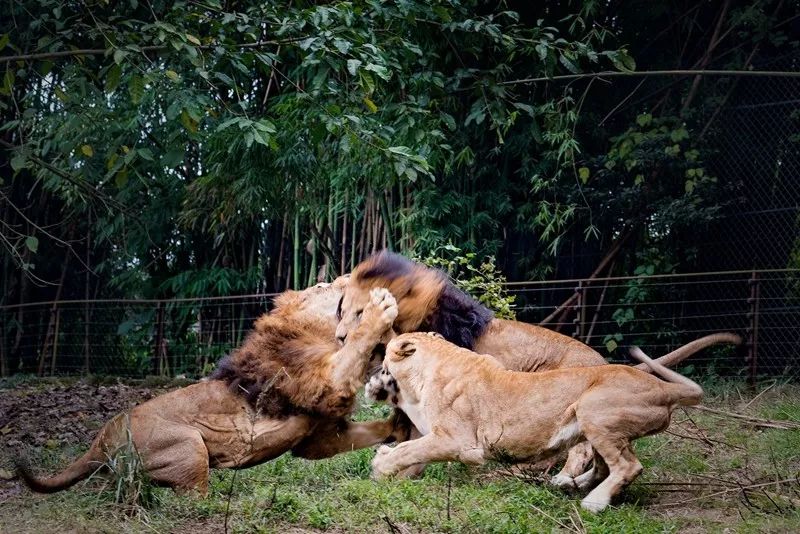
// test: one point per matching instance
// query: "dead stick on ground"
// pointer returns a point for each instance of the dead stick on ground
(731, 490)
(553, 519)
(746, 406)
(770, 423)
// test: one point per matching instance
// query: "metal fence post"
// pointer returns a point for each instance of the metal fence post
(752, 329)
(579, 309)
(156, 364)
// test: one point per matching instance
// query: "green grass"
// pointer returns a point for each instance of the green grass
(295, 495)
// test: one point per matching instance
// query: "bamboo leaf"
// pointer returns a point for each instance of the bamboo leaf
(32, 242)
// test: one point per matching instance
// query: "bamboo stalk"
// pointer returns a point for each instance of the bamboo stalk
(296, 259)
(344, 231)
(388, 238)
(312, 270)
(279, 271)
(353, 241)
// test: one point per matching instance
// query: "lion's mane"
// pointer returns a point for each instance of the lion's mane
(283, 366)
(427, 300)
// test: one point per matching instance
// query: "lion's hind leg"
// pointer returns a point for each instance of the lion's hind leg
(623, 467)
(575, 466)
(593, 476)
(609, 428)
(177, 458)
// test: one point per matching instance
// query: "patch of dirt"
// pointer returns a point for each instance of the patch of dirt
(52, 415)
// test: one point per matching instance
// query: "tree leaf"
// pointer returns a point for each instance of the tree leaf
(4, 41)
(18, 162)
(401, 150)
(352, 66)
(172, 75)
(568, 63)
(121, 178)
(32, 242)
(370, 104)
(136, 88)
(119, 55)
(192, 39)
(173, 157)
(8, 81)
(583, 174)
(380, 70)
(611, 345)
(61, 95)
(87, 150)
(112, 78)
(188, 122)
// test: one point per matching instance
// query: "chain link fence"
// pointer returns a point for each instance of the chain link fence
(658, 313)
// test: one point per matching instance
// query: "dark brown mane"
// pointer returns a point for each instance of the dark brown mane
(282, 366)
(427, 299)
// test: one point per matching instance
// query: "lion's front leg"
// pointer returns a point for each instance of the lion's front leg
(350, 362)
(429, 448)
(337, 436)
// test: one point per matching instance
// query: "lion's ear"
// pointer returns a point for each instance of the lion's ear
(403, 349)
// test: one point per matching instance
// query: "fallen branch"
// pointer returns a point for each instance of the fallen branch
(732, 490)
(755, 421)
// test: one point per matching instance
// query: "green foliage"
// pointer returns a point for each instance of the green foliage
(127, 479)
(201, 124)
(481, 279)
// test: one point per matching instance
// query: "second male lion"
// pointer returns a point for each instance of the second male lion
(471, 409)
(428, 301)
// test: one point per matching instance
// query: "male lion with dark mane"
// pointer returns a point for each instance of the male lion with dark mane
(290, 386)
(428, 301)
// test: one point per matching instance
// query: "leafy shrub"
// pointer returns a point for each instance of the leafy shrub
(480, 279)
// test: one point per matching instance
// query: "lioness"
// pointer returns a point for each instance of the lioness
(471, 409)
(235, 422)
(427, 300)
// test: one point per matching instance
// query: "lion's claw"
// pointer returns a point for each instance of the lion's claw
(381, 464)
(383, 304)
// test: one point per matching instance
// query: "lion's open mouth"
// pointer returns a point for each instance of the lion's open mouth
(376, 360)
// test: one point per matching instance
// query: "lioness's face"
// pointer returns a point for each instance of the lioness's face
(349, 310)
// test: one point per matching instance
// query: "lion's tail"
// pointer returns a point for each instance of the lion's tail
(681, 353)
(80, 469)
(688, 392)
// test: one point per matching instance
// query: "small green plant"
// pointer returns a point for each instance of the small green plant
(481, 279)
(127, 479)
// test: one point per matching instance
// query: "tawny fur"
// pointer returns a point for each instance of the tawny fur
(518, 346)
(473, 410)
(181, 434)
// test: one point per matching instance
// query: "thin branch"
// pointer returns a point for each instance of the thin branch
(731, 490)
(755, 421)
(143, 49)
(655, 73)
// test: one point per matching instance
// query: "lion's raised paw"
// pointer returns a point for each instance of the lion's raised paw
(383, 305)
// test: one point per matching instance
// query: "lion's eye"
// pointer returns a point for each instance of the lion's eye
(358, 314)
(339, 309)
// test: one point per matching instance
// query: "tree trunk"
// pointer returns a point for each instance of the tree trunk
(51, 326)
